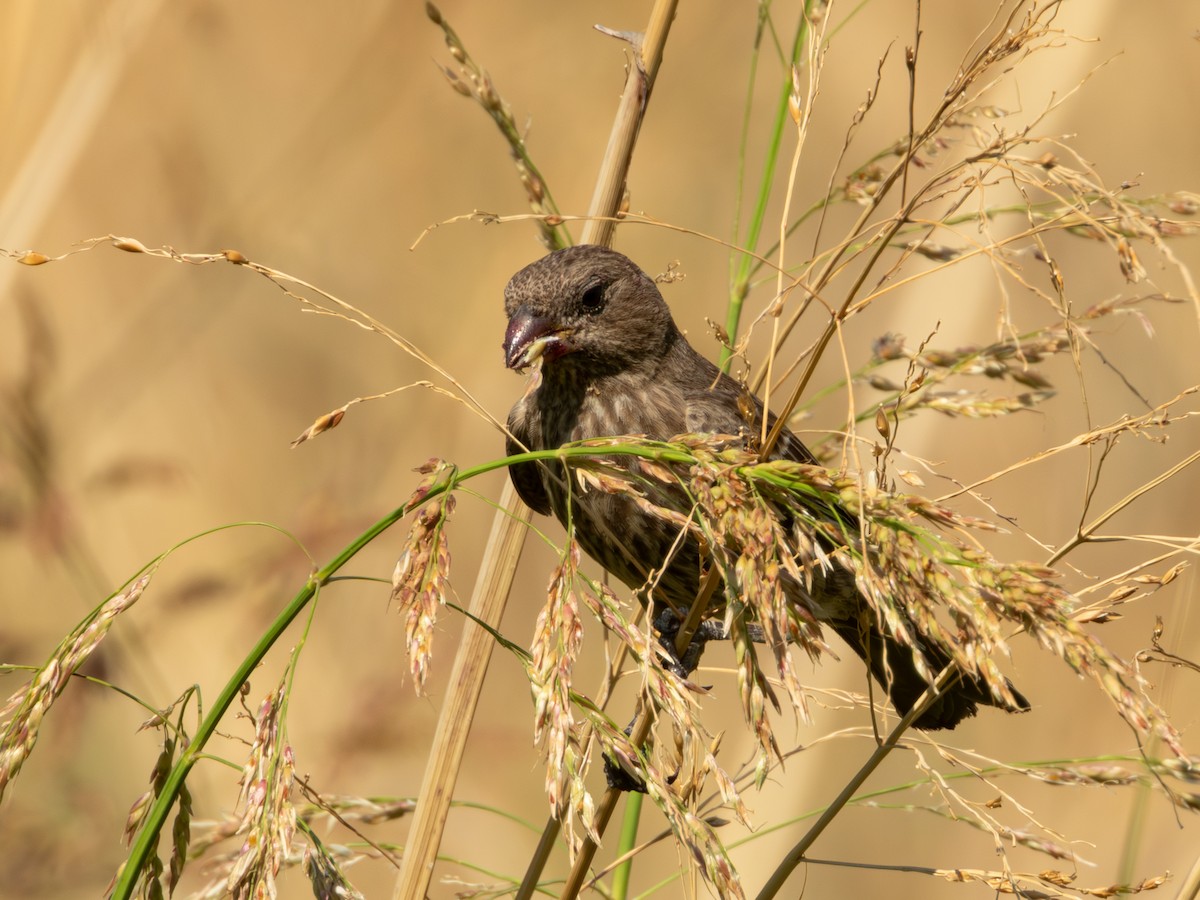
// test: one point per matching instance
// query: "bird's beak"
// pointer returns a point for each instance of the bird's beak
(531, 337)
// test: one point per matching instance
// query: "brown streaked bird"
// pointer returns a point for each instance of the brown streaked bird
(615, 363)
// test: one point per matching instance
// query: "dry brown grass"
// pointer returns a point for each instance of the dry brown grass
(1052, 322)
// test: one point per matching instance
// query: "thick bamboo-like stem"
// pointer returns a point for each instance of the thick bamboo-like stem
(610, 183)
(508, 528)
(1190, 889)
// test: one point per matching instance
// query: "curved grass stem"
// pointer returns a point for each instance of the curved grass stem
(147, 838)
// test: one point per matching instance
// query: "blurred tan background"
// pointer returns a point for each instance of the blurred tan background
(149, 401)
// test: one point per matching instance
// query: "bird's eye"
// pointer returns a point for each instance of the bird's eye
(592, 300)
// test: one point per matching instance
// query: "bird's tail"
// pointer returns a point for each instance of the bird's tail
(892, 666)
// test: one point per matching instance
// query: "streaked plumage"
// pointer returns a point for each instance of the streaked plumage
(614, 363)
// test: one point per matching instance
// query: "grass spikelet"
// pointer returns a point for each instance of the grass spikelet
(323, 871)
(778, 521)
(268, 819)
(694, 834)
(421, 580)
(668, 695)
(27, 708)
(558, 637)
(471, 80)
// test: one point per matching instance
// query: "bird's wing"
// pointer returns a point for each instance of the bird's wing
(791, 447)
(722, 406)
(526, 477)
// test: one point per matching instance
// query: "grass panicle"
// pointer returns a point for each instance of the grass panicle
(957, 181)
(23, 714)
(421, 579)
(268, 820)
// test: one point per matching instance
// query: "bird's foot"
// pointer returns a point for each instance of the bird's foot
(667, 624)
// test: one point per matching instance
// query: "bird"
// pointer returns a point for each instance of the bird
(613, 362)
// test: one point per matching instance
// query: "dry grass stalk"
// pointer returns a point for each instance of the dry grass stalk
(472, 80)
(470, 666)
(310, 298)
(1149, 426)
(759, 519)
(498, 565)
(1076, 200)
(1047, 885)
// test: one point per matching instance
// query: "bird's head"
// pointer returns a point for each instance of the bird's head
(585, 305)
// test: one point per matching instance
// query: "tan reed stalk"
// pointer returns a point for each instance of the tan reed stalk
(509, 526)
(1190, 889)
(466, 683)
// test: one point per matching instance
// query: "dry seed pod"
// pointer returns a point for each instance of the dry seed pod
(882, 425)
(320, 426)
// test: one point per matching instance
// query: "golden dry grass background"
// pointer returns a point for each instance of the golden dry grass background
(322, 142)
